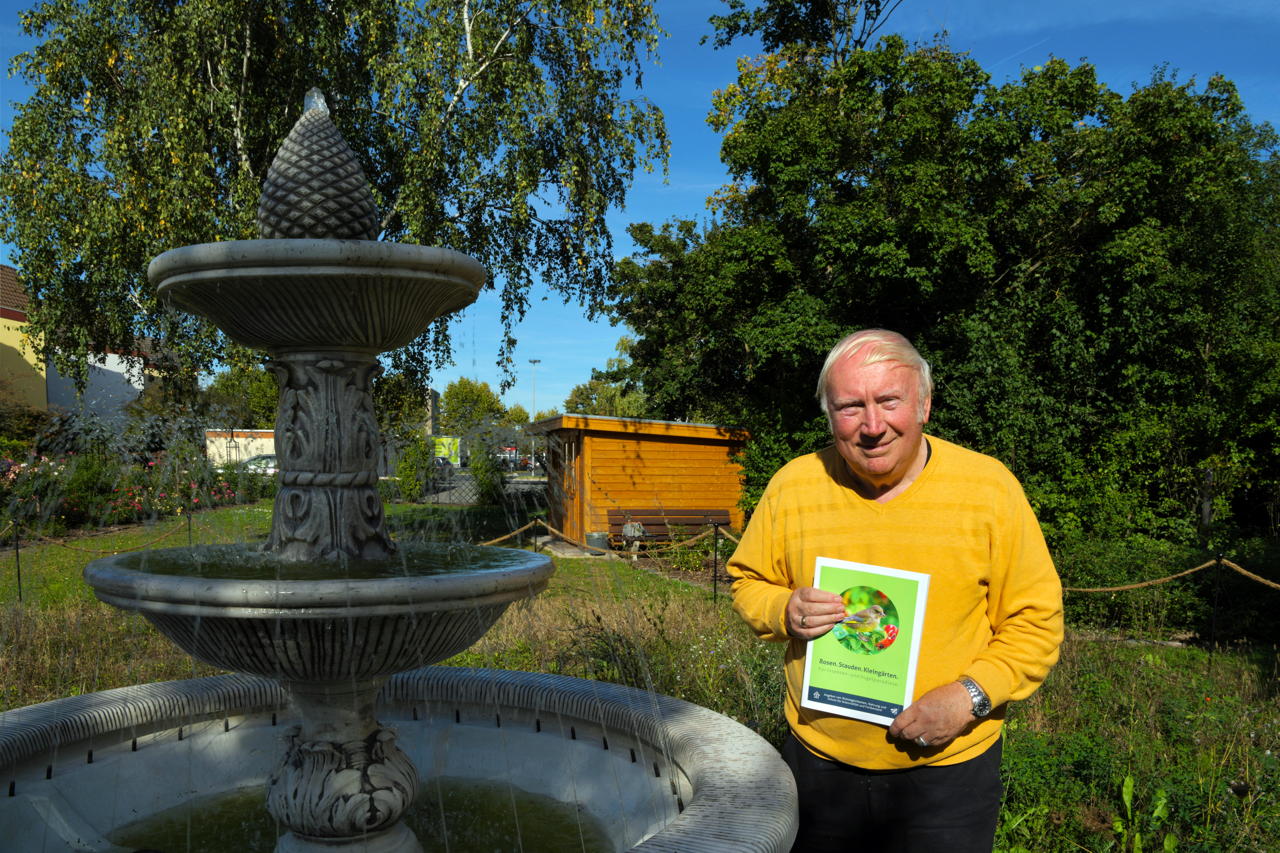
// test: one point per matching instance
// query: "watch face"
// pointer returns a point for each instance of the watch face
(981, 704)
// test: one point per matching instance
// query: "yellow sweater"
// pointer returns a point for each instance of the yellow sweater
(995, 603)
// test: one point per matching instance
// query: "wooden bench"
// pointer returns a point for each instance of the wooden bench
(634, 527)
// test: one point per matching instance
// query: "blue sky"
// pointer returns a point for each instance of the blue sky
(1124, 39)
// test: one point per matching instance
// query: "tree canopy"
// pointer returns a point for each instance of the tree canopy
(468, 406)
(609, 391)
(1092, 275)
(243, 397)
(501, 128)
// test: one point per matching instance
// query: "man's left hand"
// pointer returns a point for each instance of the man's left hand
(938, 716)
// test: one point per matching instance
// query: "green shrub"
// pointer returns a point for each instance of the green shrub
(489, 479)
(76, 490)
(415, 469)
(1160, 610)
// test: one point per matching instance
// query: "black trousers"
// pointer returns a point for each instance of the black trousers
(953, 808)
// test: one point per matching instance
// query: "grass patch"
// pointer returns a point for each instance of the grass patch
(605, 620)
(1194, 730)
(51, 567)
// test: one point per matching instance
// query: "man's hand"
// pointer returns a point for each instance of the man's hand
(811, 612)
(937, 716)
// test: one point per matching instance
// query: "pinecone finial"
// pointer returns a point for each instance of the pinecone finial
(315, 187)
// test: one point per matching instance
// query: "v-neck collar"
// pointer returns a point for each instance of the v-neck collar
(847, 481)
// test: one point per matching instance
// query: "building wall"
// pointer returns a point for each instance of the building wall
(112, 384)
(237, 445)
(652, 472)
(22, 375)
(598, 464)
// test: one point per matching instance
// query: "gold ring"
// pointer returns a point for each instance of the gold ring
(804, 621)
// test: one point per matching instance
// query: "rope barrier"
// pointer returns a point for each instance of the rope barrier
(99, 551)
(673, 545)
(704, 534)
(1230, 565)
(564, 538)
(561, 536)
(507, 536)
(1139, 585)
(1250, 575)
(699, 537)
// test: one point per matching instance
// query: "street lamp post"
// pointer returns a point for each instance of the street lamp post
(534, 386)
(533, 412)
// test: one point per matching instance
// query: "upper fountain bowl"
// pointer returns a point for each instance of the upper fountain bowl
(314, 294)
(241, 608)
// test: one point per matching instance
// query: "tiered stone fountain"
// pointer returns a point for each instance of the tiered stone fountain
(331, 608)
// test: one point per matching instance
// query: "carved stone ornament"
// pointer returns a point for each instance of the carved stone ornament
(327, 443)
(327, 790)
(315, 186)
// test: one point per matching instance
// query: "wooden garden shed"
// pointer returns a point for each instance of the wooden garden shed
(599, 464)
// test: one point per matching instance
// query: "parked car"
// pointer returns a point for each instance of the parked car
(263, 463)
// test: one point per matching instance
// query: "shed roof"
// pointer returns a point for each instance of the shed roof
(636, 426)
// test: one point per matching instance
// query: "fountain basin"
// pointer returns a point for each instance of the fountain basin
(236, 607)
(313, 294)
(658, 774)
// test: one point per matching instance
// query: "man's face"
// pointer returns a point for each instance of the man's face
(876, 418)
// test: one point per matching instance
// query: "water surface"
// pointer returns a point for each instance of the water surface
(458, 815)
(250, 562)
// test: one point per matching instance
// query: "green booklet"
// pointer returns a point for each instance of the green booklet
(865, 667)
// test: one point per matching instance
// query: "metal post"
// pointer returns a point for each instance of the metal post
(715, 560)
(1217, 594)
(17, 559)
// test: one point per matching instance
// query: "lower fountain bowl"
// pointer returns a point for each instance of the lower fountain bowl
(654, 773)
(238, 608)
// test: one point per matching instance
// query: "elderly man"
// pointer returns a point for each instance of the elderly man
(885, 494)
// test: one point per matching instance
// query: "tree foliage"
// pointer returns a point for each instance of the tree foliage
(403, 406)
(609, 391)
(1092, 275)
(243, 398)
(502, 128)
(469, 407)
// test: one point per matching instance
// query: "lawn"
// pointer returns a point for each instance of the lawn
(1195, 732)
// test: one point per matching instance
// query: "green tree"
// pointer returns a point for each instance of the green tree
(1091, 274)
(609, 391)
(243, 397)
(516, 416)
(502, 128)
(403, 405)
(469, 407)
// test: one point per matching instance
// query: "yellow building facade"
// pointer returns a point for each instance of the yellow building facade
(22, 375)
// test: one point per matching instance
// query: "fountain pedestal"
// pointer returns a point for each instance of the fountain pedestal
(342, 776)
(327, 443)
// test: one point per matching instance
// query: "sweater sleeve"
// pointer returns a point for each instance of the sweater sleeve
(761, 585)
(1024, 606)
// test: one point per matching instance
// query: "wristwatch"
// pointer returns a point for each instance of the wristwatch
(981, 704)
